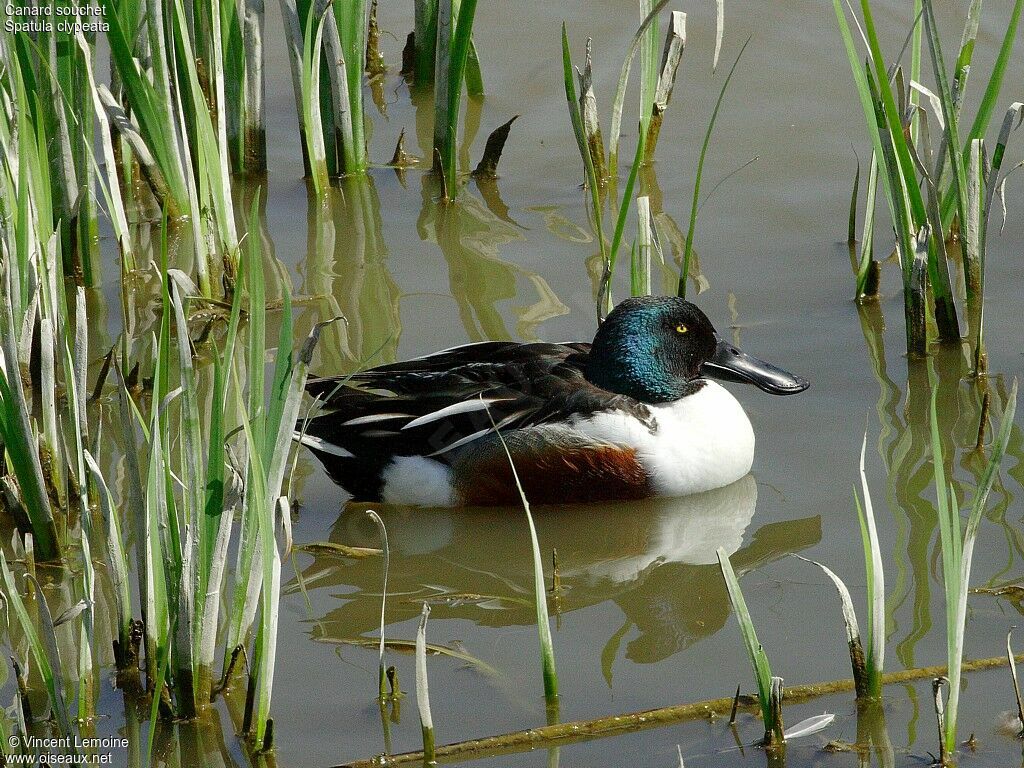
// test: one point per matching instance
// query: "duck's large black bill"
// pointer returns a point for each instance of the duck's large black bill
(732, 364)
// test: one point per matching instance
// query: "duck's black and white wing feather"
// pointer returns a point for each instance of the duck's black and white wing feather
(431, 406)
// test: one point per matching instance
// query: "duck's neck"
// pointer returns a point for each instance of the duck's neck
(635, 369)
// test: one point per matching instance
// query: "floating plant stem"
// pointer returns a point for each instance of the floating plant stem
(382, 676)
(422, 688)
(611, 725)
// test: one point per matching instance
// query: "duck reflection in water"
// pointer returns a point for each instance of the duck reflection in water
(655, 559)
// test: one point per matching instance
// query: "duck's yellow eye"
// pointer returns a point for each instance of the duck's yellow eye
(681, 328)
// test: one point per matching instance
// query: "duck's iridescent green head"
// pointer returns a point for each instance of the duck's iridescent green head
(657, 349)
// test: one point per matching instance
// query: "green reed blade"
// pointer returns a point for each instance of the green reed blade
(425, 40)
(688, 248)
(868, 232)
(454, 31)
(648, 68)
(48, 397)
(547, 649)
(963, 577)
(620, 91)
(313, 133)
(253, 118)
(111, 188)
(249, 566)
(758, 658)
(42, 643)
(894, 183)
(257, 508)
(118, 560)
(853, 635)
(423, 688)
(351, 21)
(893, 121)
(209, 140)
(590, 173)
(875, 582)
(640, 270)
(972, 239)
(267, 639)
(150, 103)
(983, 117)
(474, 76)
(951, 138)
(851, 225)
(382, 673)
(18, 437)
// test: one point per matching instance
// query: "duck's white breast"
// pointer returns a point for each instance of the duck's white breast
(702, 441)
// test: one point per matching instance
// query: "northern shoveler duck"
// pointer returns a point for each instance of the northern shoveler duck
(629, 416)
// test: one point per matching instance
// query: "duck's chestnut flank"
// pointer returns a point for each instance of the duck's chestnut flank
(552, 475)
(631, 415)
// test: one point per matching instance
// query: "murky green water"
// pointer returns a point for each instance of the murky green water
(642, 619)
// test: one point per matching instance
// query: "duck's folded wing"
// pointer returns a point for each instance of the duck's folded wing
(468, 367)
(433, 405)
